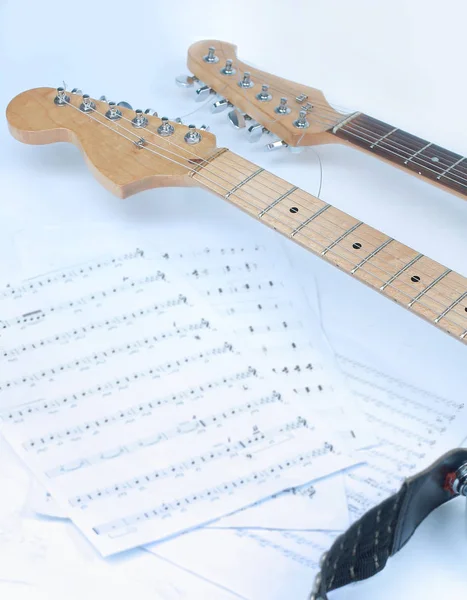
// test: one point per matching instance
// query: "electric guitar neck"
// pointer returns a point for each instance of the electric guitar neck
(130, 151)
(301, 116)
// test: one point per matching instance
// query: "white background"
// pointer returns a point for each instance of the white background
(403, 62)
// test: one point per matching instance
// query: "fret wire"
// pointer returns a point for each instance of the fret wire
(449, 308)
(370, 256)
(242, 183)
(341, 237)
(407, 266)
(432, 284)
(451, 167)
(310, 219)
(406, 162)
(399, 156)
(356, 124)
(291, 191)
(217, 185)
(383, 137)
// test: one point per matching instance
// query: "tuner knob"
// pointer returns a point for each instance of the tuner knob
(246, 81)
(211, 56)
(76, 91)
(220, 105)
(186, 81)
(87, 105)
(301, 122)
(61, 99)
(237, 119)
(204, 128)
(113, 113)
(151, 112)
(124, 104)
(178, 120)
(282, 109)
(202, 93)
(139, 120)
(165, 128)
(103, 99)
(254, 132)
(277, 145)
(228, 69)
(264, 95)
(193, 136)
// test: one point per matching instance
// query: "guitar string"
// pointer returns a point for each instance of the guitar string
(330, 250)
(311, 239)
(333, 225)
(360, 128)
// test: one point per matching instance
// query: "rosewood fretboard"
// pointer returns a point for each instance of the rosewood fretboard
(438, 165)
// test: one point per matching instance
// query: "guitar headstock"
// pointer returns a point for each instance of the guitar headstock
(299, 115)
(128, 151)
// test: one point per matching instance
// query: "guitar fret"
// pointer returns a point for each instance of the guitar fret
(432, 284)
(458, 162)
(449, 308)
(268, 208)
(406, 162)
(341, 237)
(407, 266)
(305, 223)
(242, 183)
(384, 137)
(370, 256)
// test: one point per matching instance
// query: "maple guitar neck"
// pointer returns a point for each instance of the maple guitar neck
(414, 281)
(428, 161)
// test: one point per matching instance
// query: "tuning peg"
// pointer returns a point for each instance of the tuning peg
(103, 99)
(301, 122)
(151, 112)
(211, 56)
(193, 136)
(202, 93)
(238, 119)
(228, 68)
(178, 120)
(255, 131)
(264, 95)
(139, 120)
(125, 104)
(186, 81)
(277, 145)
(76, 91)
(282, 109)
(220, 105)
(204, 128)
(246, 81)
(165, 128)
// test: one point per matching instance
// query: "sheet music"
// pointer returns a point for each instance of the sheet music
(93, 428)
(413, 426)
(244, 560)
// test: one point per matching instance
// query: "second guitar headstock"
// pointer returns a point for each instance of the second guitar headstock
(258, 101)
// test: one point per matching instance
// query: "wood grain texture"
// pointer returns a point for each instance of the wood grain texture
(263, 112)
(327, 125)
(108, 147)
(415, 282)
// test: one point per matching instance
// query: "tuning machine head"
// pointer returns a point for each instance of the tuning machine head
(186, 81)
(220, 105)
(238, 119)
(255, 131)
(203, 92)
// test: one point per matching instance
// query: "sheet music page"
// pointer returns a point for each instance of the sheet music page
(160, 372)
(255, 565)
(413, 426)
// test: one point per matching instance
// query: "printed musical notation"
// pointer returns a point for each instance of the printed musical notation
(92, 424)
(412, 426)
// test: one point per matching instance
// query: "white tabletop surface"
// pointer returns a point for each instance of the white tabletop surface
(403, 62)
